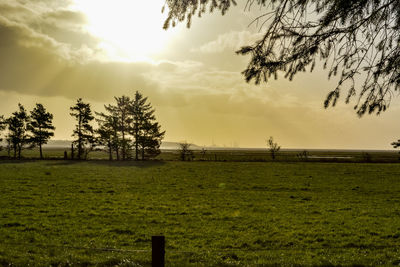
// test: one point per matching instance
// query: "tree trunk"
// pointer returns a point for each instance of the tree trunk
(40, 142)
(9, 150)
(116, 146)
(40, 149)
(72, 151)
(123, 145)
(19, 151)
(79, 137)
(110, 151)
(123, 136)
(136, 142)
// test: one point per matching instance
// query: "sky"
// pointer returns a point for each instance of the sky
(55, 51)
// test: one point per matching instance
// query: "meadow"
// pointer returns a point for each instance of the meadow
(61, 213)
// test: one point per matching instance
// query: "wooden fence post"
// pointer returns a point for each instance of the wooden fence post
(157, 251)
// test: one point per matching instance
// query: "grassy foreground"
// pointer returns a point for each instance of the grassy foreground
(212, 213)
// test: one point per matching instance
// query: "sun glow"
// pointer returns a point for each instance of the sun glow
(129, 30)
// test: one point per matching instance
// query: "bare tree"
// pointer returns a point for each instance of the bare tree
(303, 155)
(273, 147)
(356, 40)
(185, 152)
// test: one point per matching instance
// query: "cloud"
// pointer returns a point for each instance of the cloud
(67, 16)
(16, 34)
(230, 41)
(45, 51)
(31, 70)
(49, 26)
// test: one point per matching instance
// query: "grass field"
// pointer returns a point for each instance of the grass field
(212, 213)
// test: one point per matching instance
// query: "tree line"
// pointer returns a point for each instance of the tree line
(127, 129)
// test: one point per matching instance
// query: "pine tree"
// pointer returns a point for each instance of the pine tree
(41, 127)
(121, 110)
(145, 129)
(18, 136)
(108, 134)
(83, 130)
(150, 139)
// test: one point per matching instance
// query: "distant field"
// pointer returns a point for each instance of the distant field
(212, 213)
(243, 155)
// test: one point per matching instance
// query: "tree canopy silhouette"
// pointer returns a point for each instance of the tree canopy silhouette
(357, 40)
(108, 131)
(41, 127)
(273, 147)
(18, 137)
(145, 129)
(130, 126)
(3, 124)
(83, 132)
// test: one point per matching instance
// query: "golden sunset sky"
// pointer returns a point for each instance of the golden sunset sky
(55, 51)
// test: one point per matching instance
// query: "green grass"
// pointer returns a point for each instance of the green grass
(217, 213)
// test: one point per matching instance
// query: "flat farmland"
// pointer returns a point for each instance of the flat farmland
(104, 213)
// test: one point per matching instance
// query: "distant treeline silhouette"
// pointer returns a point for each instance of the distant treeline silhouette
(127, 129)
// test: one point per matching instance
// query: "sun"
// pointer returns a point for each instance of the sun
(128, 30)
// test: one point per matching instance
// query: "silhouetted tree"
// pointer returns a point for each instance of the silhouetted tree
(104, 138)
(273, 147)
(113, 117)
(41, 127)
(145, 130)
(18, 137)
(108, 134)
(83, 130)
(150, 139)
(303, 155)
(396, 144)
(9, 146)
(357, 40)
(3, 124)
(121, 110)
(185, 152)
